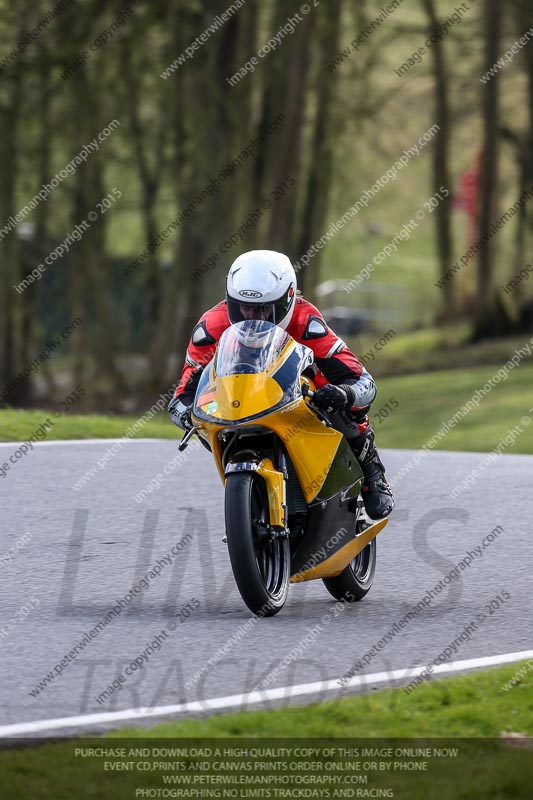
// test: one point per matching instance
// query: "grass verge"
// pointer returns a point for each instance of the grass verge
(18, 426)
(472, 705)
(422, 403)
(426, 401)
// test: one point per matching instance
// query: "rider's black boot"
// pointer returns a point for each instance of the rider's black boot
(376, 493)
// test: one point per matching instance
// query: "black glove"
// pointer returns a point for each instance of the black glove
(180, 414)
(332, 398)
(185, 419)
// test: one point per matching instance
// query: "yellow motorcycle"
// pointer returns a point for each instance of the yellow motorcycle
(291, 480)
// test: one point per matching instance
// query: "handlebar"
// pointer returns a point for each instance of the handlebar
(185, 441)
(307, 392)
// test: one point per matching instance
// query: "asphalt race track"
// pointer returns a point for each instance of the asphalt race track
(67, 557)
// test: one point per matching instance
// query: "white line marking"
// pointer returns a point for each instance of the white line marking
(236, 701)
(86, 441)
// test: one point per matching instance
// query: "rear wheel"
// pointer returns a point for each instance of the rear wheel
(355, 580)
(260, 561)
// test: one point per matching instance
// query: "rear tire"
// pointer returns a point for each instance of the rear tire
(355, 581)
(260, 564)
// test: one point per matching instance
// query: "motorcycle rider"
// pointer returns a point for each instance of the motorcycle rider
(261, 284)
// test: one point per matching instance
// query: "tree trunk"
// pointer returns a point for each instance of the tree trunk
(441, 164)
(10, 274)
(487, 311)
(88, 256)
(149, 167)
(289, 155)
(317, 189)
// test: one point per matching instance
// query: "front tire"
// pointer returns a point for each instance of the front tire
(260, 563)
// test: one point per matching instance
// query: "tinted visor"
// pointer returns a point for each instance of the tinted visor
(275, 312)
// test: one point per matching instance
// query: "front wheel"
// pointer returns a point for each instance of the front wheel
(260, 561)
(355, 580)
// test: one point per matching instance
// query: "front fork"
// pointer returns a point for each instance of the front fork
(276, 483)
(275, 480)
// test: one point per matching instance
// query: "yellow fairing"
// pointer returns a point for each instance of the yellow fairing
(338, 561)
(240, 396)
(310, 444)
(243, 400)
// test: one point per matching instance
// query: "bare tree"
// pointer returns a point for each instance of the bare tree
(441, 161)
(10, 274)
(486, 309)
(326, 125)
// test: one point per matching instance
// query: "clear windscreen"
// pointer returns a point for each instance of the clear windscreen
(249, 347)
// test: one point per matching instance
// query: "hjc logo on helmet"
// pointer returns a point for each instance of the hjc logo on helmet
(250, 293)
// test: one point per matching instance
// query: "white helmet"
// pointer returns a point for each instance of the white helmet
(261, 284)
